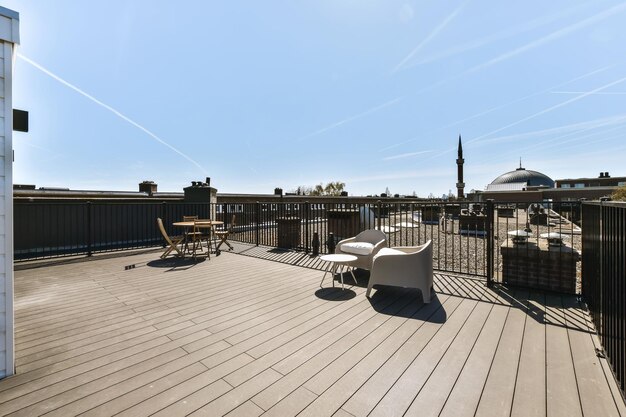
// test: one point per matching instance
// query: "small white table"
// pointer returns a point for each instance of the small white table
(336, 261)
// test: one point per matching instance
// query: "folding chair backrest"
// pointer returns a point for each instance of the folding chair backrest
(203, 224)
(163, 232)
(232, 224)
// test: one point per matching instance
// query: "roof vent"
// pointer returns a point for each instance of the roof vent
(606, 175)
(601, 175)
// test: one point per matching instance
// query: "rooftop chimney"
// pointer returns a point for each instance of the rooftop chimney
(601, 174)
(606, 175)
(200, 192)
(278, 191)
(148, 187)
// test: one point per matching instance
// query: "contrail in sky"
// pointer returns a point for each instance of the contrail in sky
(553, 36)
(516, 30)
(562, 131)
(484, 112)
(111, 109)
(559, 141)
(431, 35)
(605, 93)
(351, 118)
(549, 109)
(405, 155)
(532, 116)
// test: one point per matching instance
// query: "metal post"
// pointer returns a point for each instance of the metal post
(258, 220)
(165, 223)
(89, 234)
(379, 212)
(307, 213)
(600, 291)
(490, 245)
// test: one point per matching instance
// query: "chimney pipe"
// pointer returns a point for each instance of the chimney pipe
(606, 175)
(601, 174)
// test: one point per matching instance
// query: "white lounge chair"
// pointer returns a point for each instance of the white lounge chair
(408, 266)
(364, 246)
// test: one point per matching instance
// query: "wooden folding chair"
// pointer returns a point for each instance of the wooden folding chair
(191, 234)
(223, 234)
(201, 232)
(172, 241)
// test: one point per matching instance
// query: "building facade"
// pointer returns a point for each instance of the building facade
(603, 180)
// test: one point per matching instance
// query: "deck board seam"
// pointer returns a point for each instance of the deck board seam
(443, 355)
(470, 354)
(416, 354)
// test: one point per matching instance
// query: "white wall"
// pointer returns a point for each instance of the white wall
(8, 38)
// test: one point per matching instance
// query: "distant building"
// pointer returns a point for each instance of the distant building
(521, 179)
(603, 180)
(524, 185)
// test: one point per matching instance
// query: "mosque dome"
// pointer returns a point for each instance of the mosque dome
(523, 175)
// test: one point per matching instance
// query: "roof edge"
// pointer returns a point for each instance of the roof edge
(11, 14)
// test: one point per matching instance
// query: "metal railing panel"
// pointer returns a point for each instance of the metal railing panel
(604, 276)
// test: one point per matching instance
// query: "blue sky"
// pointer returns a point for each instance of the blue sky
(373, 93)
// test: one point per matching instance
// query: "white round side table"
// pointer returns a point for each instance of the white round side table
(336, 261)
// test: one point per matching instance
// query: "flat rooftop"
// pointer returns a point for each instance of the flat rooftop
(256, 335)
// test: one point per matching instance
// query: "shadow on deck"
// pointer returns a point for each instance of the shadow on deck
(138, 336)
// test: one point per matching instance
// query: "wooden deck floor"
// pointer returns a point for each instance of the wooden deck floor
(240, 335)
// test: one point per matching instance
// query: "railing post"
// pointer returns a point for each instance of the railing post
(307, 214)
(165, 223)
(601, 278)
(490, 245)
(258, 220)
(89, 227)
(378, 213)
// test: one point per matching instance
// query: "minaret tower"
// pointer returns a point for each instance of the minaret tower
(460, 185)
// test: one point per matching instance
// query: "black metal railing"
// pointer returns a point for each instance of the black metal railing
(467, 237)
(604, 278)
(523, 255)
(45, 229)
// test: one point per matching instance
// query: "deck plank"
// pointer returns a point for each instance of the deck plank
(355, 378)
(270, 356)
(562, 390)
(433, 395)
(465, 395)
(497, 396)
(401, 395)
(253, 335)
(427, 324)
(596, 397)
(530, 388)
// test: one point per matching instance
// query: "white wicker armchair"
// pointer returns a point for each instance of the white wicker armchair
(408, 266)
(364, 246)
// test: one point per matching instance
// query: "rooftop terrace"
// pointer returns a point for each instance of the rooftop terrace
(247, 335)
